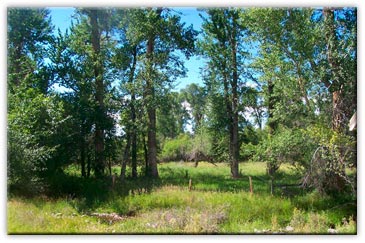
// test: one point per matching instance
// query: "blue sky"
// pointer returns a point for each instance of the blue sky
(61, 18)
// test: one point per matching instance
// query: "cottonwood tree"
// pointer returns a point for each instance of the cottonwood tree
(222, 46)
(125, 61)
(284, 63)
(72, 71)
(162, 34)
(301, 68)
(35, 115)
(339, 77)
(81, 66)
(195, 96)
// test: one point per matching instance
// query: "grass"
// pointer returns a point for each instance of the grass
(216, 204)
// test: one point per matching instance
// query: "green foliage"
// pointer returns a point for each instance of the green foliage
(285, 146)
(34, 129)
(29, 34)
(176, 149)
(333, 154)
(167, 206)
(188, 148)
(250, 138)
(195, 95)
(171, 116)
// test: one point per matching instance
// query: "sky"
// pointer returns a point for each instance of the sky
(61, 18)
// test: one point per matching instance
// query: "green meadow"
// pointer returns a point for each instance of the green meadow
(214, 203)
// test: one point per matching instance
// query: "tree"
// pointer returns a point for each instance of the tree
(80, 66)
(340, 77)
(307, 70)
(35, 115)
(284, 64)
(171, 116)
(195, 96)
(29, 34)
(339, 27)
(162, 33)
(222, 36)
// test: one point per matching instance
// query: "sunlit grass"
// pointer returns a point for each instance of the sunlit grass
(216, 204)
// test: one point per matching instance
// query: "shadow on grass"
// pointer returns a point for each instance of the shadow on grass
(88, 194)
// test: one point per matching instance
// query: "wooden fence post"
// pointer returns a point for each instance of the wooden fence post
(251, 186)
(114, 176)
(190, 185)
(272, 185)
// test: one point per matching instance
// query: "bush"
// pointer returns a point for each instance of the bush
(33, 124)
(176, 149)
(187, 148)
(285, 146)
(334, 152)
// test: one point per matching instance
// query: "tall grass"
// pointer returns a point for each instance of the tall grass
(216, 204)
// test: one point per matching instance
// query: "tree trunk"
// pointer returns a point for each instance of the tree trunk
(133, 118)
(145, 154)
(99, 95)
(151, 108)
(88, 163)
(271, 105)
(234, 141)
(152, 143)
(125, 158)
(134, 150)
(271, 167)
(335, 177)
(82, 158)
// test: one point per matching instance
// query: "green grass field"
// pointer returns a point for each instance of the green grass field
(215, 204)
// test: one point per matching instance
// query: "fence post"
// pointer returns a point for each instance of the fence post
(272, 185)
(251, 186)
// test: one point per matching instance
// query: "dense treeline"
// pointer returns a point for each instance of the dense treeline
(279, 86)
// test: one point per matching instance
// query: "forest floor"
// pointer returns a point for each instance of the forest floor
(215, 204)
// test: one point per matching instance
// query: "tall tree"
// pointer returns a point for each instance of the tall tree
(81, 67)
(29, 34)
(339, 26)
(72, 72)
(222, 36)
(99, 23)
(35, 115)
(340, 33)
(162, 33)
(284, 63)
(94, 16)
(195, 95)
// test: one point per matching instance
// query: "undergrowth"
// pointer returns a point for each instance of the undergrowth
(215, 204)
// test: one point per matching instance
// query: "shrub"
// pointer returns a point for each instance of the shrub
(333, 153)
(33, 124)
(285, 146)
(176, 149)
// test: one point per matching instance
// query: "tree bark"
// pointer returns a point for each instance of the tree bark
(133, 117)
(125, 158)
(82, 158)
(271, 105)
(99, 95)
(151, 108)
(145, 154)
(335, 178)
(134, 146)
(88, 163)
(234, 141)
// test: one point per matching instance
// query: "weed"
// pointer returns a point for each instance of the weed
(216, 204)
